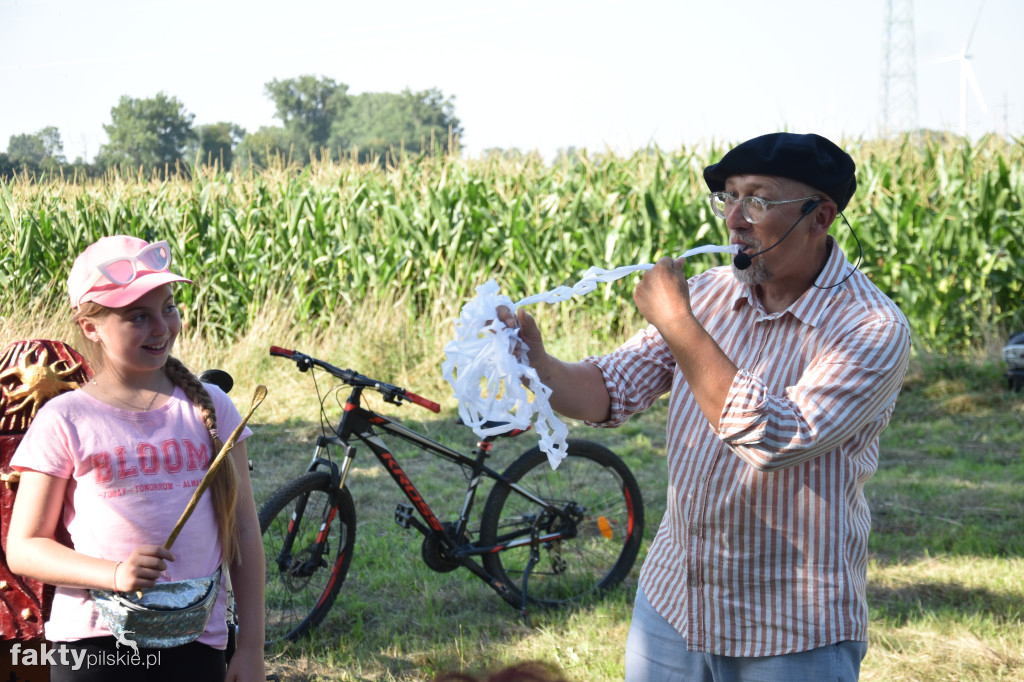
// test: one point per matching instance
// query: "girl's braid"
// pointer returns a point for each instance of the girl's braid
(224, 488)
(197, 395)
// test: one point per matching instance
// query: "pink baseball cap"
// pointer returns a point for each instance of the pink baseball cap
(114, 271)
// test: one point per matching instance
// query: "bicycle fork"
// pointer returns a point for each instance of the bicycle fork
(286, 561)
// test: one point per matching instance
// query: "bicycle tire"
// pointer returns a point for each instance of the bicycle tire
(608, 534)
(298, 596)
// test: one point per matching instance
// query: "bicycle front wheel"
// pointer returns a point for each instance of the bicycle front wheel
(308, 543)
(600, 511)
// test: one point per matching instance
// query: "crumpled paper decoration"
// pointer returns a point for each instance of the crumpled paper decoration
(489, 378)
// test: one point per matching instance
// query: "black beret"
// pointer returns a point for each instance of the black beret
(810, 158)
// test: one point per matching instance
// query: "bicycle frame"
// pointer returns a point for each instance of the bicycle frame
(364, 424)
(450, 546)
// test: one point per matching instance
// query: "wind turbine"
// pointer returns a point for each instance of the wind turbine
(967, 75)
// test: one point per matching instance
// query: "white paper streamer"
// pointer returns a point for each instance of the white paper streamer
(487, 376)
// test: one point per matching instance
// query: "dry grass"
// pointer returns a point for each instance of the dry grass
(947, 618)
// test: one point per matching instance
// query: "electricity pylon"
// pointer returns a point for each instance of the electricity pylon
(899, 69)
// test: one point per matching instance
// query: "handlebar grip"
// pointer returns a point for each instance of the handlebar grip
(283, 352)
(422, 402)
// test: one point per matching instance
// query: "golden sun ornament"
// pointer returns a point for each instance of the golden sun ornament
(28, 383)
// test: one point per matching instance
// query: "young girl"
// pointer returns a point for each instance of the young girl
(117, 461)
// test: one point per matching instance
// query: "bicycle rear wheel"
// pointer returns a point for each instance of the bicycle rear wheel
(301, 588)
(601, 495)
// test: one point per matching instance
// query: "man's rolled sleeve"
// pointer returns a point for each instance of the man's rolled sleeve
(742, 419)
(636, 374)
(851, 387)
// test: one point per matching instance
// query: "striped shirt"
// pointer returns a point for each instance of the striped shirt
(763, 547)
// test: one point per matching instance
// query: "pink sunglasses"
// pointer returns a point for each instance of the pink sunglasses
(124, 269)
(155, 257)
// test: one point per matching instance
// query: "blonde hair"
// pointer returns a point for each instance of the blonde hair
(224, 487)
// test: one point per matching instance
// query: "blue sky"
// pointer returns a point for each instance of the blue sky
(531, 74)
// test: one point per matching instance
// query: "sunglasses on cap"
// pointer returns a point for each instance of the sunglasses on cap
(155, 257)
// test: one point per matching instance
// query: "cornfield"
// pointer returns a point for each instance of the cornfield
(940, 223)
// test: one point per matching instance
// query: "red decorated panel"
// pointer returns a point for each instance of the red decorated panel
(31, 372)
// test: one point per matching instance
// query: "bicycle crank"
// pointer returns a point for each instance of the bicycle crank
(435, 550)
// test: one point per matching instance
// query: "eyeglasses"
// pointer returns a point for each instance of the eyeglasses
(124, 269)
(754, 208)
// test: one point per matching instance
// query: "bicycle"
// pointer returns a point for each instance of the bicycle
(545, 537)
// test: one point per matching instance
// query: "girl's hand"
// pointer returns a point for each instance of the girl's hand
(246, 666)
(142, 568)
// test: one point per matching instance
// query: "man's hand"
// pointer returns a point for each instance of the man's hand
(663, 296)
(577, 389)
(529, 334)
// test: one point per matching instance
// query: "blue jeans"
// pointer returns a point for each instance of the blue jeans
(656, 652)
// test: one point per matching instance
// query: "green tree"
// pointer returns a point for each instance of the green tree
(319, 114)
(308, 106)
(215, 144)
(266, 146)
(152, 133)
(45, 144)
(7, 169)
(380, 122)
(41, 151)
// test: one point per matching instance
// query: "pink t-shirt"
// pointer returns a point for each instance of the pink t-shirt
(131, 475)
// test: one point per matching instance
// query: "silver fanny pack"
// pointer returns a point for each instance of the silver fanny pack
(163, 616)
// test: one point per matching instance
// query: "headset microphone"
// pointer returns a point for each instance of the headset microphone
(742, 261)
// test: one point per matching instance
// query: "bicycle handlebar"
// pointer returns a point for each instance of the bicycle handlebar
(392, 394)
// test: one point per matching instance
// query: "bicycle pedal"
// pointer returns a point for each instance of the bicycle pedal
(403, 515)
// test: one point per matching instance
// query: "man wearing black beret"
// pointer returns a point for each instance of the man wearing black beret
(783, 370)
